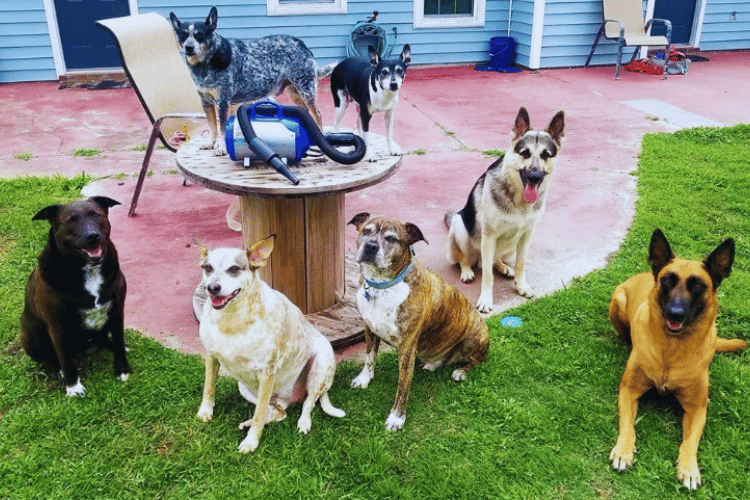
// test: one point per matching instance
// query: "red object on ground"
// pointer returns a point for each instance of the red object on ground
(644, 66)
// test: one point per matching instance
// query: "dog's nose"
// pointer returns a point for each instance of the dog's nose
(93, 238)
(371, 248)
(676, 311)
(214, 288)
(189, 50)
(534, 176)
(394, 86)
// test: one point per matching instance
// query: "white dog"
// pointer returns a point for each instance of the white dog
(262, 340)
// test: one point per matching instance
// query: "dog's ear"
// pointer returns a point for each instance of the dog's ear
(212, 19)
(659, 252)
(176, 24)
(719, 263)
(104, 202)
(557, 127)
(414, 234)
(203, 249)
(522, 125)
(374, 57)
(258, 254)
(359, 219)
(47, 213)
(406, 55)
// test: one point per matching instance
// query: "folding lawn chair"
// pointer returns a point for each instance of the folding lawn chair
(624, 21)
(152, 60)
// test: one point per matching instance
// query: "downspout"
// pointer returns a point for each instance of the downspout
(537, 30)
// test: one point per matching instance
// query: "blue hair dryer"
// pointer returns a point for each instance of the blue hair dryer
(271, 132)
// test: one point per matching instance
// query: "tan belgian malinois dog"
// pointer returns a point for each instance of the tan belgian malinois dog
(669, 315)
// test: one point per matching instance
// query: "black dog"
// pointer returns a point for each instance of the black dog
(374, 86)
(76, 295)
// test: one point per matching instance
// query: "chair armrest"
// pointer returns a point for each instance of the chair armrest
(622, 26)
(187, 116)
(665, 22)
(156, 129)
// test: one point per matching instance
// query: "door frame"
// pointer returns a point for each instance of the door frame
(54, 34)
(697, 29)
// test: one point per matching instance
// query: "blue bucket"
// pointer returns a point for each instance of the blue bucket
(502, 55)
(502, 51)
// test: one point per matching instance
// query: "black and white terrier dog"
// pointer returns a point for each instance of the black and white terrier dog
(229, 72)
(374, 86)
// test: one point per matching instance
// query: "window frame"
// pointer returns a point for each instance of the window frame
(476, 20)
(277, 8)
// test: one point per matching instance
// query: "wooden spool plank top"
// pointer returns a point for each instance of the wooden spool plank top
(319, 176)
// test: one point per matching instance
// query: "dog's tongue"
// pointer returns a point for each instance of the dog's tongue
(95, 253)
(530, 193)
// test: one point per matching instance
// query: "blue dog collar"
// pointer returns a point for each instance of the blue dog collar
(381, 285)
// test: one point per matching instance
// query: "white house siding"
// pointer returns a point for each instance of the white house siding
(327, 35)
(25, 47)
(726, 25)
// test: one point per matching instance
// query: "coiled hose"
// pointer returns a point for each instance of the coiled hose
(326, 142)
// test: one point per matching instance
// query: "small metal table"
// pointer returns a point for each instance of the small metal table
(308, 261)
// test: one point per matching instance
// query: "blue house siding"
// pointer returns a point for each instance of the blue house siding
(563, 36)
(327, 35)
(25, 46)
(726, 25)
(570, 27)
(521, 26)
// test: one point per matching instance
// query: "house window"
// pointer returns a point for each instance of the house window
(448, 7)
(305, 7)
(448, 13)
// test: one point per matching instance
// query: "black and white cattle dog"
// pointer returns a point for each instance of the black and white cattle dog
(229, 72)
(374, 86)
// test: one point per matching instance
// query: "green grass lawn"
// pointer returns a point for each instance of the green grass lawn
(537, 420)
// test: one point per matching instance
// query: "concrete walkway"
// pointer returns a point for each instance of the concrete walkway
(445, 119)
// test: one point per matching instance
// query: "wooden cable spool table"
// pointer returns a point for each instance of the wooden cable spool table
(308, 261)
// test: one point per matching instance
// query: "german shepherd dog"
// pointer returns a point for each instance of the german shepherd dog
(503, 207)
(669, 316)
(229, 72)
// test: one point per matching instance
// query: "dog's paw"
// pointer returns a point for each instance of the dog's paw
(459, 375)
(505, 270)
(75, 390)
(395, 149)
(362, 380)
(525, 290)
(304, 424)
(209, 144)
(124, 377)
(688, 474)
(394, 422)
(205, 412)
(275, 414)
(621, 457)
(467, 274)
(220, 147)
(484, 304)
(250, 443)
(432, 366)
